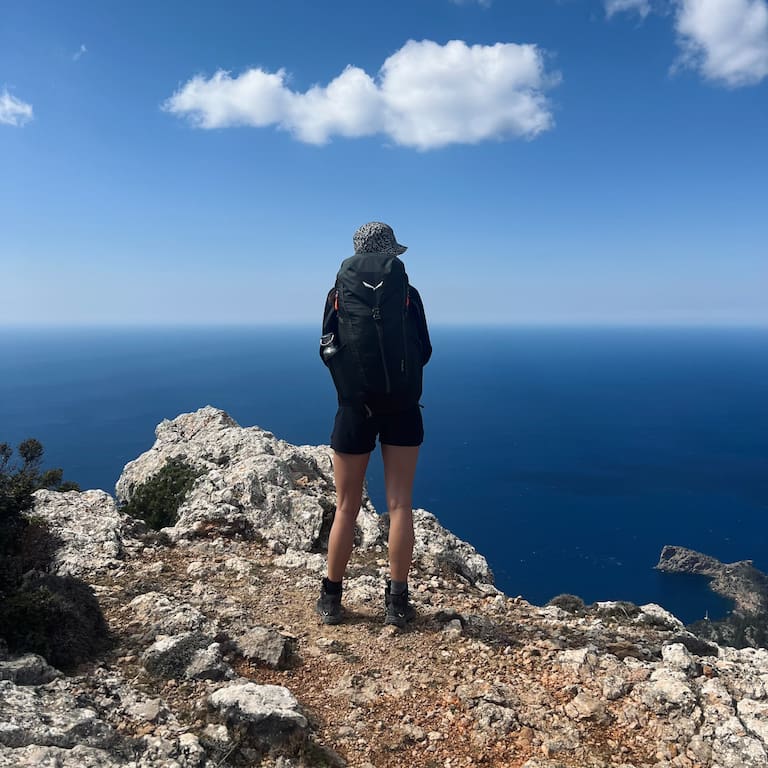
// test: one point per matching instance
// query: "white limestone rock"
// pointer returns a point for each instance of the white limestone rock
(29, 669)
(240, 567)
(754, 716)
(584, 706)
(71, 722)
(677, 656)
(216, 736)
(184, 752)
(537, 762)
(265, 646)
(48, 717)
(553, 613)
(733, 747)
(306, 561)
(57, 757)
(162, 615)
(581, 661)
(267, 715)
(366, 590)
(437, 548)
(92, 529)
(745, 670)
(169, 657)
(150, 711)
(667, 691)
(207, 664)
(251, 483)
(615, 687)
(655, 616)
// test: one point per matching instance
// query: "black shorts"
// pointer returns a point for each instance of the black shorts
(354, 431)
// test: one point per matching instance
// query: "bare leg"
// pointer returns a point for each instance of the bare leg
(349, 474)
(399, 471)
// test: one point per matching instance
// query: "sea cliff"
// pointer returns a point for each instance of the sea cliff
(747, 587)
(219, 660)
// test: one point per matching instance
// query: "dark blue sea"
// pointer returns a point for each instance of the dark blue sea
(568, 457)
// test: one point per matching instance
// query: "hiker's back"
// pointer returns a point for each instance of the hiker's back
(380, 356)
(375, 340)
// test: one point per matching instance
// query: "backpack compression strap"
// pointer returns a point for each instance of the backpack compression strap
(336, 299)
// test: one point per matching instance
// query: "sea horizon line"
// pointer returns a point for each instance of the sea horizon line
(437, 324)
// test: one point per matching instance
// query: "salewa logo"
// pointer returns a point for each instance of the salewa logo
(373, 287)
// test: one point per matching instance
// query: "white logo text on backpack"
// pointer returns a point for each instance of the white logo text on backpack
(373, 287)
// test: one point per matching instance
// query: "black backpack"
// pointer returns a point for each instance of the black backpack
(379, 357)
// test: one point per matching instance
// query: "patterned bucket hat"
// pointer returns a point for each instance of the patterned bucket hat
(376, 237)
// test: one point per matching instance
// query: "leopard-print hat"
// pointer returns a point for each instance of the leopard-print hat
(376, 237)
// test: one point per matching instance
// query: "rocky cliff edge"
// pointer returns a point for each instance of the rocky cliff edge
(219, 660)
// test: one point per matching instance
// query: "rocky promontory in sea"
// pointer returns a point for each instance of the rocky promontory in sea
(740, 582)
(217, 659)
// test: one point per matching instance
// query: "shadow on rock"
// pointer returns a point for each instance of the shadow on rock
(57, 617)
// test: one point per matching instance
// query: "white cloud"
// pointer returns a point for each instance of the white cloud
(13, 111)
(643, 7)
(79, 53)
(425, 95)
(725, 40)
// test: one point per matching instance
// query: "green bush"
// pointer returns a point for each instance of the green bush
(157, 500)
(622, 610)
(24, 543)
(55, 616)
(571, 603)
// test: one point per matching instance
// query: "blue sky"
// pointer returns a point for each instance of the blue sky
(546, 161)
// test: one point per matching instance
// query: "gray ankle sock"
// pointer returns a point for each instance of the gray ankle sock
(398, 587)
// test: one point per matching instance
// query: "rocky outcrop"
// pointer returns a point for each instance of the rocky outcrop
(263, 715)
(439, 549)
(74, 722)
(219, 659)
(91, 529)
(263, 645)
(740, 581)
(747, 624)
(29, 669)
(172, 657)
(251, 483)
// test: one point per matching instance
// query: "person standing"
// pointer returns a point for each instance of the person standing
(375, 343)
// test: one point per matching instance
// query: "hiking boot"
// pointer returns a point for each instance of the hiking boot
(329, 607)
(398, 609)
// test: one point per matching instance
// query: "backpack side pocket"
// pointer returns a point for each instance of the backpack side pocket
(328, 347)
(339, 360)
